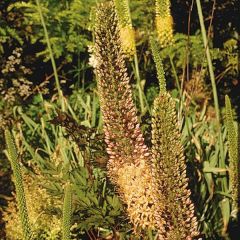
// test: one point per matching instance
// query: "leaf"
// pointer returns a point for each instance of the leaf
(225, 209)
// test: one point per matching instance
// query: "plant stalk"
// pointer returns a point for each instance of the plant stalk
(141, 95)
(51, 55)
(209, 60)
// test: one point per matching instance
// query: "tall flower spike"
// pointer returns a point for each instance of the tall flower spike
(159, 66)
(129, 158)
(234, 169)
(169, 161)
(67, 212)
(21, 201)
(170, 167)
(164, 22)
(126, 29)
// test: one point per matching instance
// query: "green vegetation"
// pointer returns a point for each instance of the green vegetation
(119, 120)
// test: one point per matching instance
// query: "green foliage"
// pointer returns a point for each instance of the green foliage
(60, 159)
(196, 54)
(67, 23)
(207, 176)
(7, 33)
(230, 59)
(11, 32)
(13, 158)
(142, 16)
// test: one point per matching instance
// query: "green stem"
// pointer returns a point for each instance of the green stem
(141, 94)
(51, 55)
(209, 60)
(175, 75)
